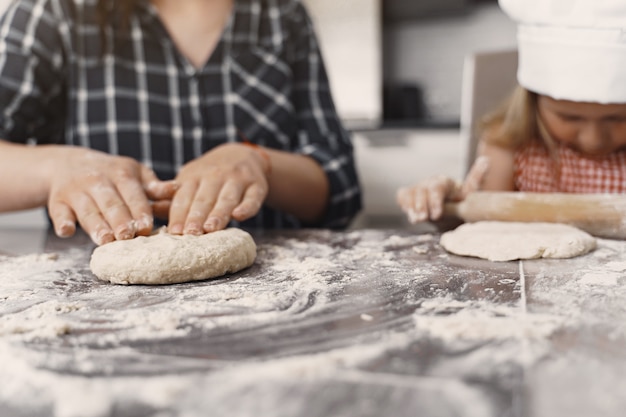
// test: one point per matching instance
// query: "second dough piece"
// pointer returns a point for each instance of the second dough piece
(507, 241)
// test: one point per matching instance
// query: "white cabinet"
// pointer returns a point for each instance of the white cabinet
(389, 159)
(35, 219)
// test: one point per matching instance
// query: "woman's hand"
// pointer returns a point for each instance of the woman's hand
(425, 200)
(108, 195)
(230, 181)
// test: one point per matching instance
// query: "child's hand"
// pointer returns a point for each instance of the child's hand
(425, 200)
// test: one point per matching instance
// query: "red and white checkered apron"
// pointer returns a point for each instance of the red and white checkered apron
(535, 171)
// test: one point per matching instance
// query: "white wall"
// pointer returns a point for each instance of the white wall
(431, 52)
(350, 35)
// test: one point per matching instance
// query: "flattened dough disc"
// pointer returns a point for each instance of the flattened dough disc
(507, 241)
(163, 258)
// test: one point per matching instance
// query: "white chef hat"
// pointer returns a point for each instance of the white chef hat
(571, 49)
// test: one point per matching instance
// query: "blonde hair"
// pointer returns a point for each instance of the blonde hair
(515, 122)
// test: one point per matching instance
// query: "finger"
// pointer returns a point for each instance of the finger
(203, 203)
(134, 196)
(148, 175)
(413, 202)
(438, 191)
(114, 210)
(475, 175)
(161, 190)
(450, 188)
(229, 197)
(63, 219)
(403, 198)
(90, 218)
(156, 189)
(419, 205)
(161, 209)
(179, 207)
(251, 203)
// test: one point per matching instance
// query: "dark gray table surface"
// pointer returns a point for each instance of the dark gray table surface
(356, 323)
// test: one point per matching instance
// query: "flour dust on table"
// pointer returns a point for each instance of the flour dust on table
(163, 258)
(507, 241)
(365, 322)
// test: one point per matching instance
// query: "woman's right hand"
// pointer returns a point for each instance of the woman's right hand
(110, 196)
(425, 200)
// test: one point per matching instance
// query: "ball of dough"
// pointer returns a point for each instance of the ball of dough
(507, 241)
(163, 258)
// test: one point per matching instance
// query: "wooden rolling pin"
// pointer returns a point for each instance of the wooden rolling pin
(602, 215)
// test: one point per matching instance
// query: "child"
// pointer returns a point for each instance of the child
(227, 99)
(564, 128)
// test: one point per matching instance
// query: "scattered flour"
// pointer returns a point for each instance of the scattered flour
(453, 321)
(600, 278)
(80, 347)
(616, 266)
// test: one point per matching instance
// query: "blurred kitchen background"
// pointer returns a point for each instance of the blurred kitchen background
(396, 70)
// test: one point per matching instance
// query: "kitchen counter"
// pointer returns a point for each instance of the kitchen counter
(357, 323)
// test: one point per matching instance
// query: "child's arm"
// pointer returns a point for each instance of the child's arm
(499, 176)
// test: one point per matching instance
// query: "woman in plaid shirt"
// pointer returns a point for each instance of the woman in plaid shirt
(207, 112)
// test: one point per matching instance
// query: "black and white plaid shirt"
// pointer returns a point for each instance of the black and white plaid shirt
(143, 99)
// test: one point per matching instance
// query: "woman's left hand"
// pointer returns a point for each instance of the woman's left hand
(228, 182)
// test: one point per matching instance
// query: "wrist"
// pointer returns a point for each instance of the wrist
(262, 153)
(47, 163)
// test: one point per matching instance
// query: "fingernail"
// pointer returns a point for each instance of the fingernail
(416, 217)
(127, 231)
(102, 236)
(145, 222)
(65, 229)
(155, 186)
(152, 185)
(193, 229)
(175, 229)
(211, 224)
(238, 212)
